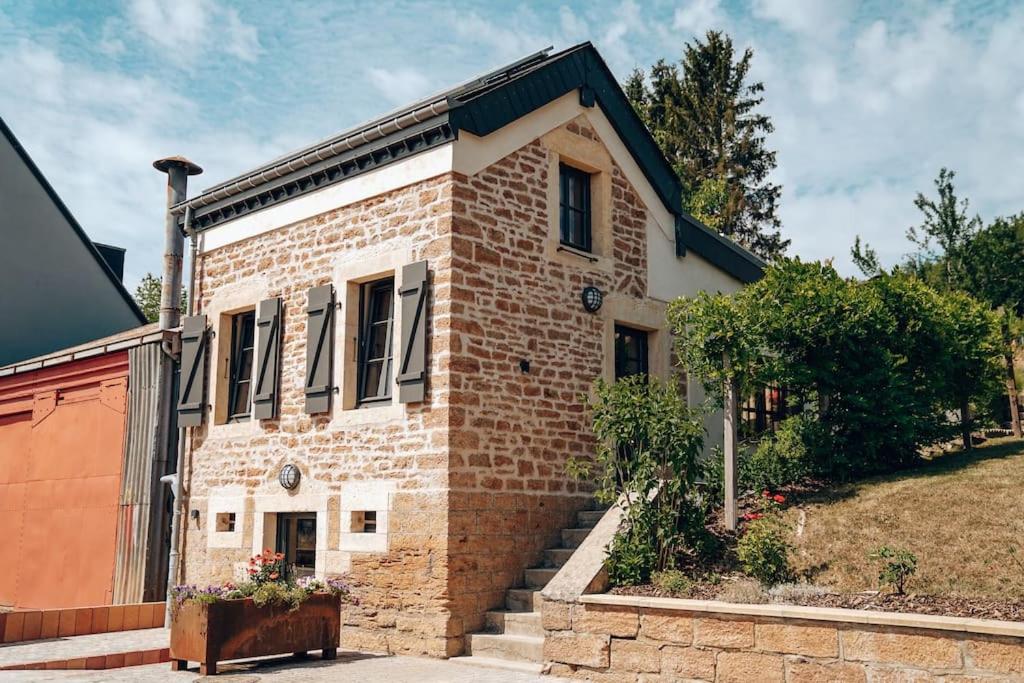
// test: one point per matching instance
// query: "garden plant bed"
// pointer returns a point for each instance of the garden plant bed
(938, 605)
(959, 513)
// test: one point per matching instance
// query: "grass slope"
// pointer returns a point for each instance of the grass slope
(960, 515)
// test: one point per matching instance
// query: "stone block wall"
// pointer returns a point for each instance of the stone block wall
(644, 639)
(404, 592)
(514, 302)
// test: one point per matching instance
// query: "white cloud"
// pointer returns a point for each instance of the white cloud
(698, 16)
(811, 18)
(189, 27)
(399, 86)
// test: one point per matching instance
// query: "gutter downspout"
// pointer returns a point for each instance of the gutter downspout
(177, 169)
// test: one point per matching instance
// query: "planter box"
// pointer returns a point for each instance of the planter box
(238, 629)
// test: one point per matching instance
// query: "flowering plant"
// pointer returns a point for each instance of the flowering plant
(769, 504)
(265, 586)
(266, 567)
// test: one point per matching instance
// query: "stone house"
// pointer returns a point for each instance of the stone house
(393, 330)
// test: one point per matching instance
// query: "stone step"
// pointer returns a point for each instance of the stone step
(556, 557)
(538, 577)
(587, 519)
(571, 538)
(534, 668)
(522, 600)
(504, 646)
(514, 623)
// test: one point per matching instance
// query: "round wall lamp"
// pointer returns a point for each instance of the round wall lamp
(289, 476)
(592, 299)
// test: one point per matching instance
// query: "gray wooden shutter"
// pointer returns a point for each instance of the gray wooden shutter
(319, 348)
(192, 379)
(412, 370)
(268, 346)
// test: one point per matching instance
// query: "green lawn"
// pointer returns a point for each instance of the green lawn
(961, 514)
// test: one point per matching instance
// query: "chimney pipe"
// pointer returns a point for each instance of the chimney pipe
(178, 169)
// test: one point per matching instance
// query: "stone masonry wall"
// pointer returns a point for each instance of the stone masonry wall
(513, 430)
(636, 643)
(403, 592)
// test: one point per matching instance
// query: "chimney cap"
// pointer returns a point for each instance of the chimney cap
(164, 165)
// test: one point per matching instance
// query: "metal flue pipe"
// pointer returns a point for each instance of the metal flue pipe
(178, 169)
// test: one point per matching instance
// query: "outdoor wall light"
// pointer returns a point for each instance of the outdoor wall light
(289, 476)
(592, 299)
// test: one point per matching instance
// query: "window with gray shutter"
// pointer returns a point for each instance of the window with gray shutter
(192, 382)
(412, 370)
(319, 348)
(268, 346)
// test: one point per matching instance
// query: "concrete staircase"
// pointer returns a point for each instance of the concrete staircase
(513, 637)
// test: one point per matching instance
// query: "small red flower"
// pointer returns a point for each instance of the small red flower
(779, 499)
(766, 493)
(273, 576)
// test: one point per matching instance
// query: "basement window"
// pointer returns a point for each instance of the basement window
(364, 522)
(225, 521)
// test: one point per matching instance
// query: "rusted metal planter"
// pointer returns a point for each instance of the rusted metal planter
(238, 629)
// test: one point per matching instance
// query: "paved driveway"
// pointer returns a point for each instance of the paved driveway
(349, 666)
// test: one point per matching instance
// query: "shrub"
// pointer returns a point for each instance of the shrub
(673, 582)
(898, 565)
(274, 593)
(781, 458)
(764, 552)
(648, 442)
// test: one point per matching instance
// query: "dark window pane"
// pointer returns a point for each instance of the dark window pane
(630, 352)
(242, 342)
(375, 333)
(574, 207)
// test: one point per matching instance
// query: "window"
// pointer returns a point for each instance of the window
(225, 521)
(574, 207)
(242, 342)
(364, 522)
(764, 410)
(376, 306)
(630, 352)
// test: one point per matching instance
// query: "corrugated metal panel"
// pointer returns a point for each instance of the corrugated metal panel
(140, 563)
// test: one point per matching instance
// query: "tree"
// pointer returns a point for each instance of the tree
(955, 253)
(147, 296)
(703, 114)
(877, 364)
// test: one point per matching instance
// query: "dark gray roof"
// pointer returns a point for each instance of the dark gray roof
(479, 106)
(64, 212)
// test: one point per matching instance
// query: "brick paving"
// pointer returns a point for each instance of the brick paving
(349, 666)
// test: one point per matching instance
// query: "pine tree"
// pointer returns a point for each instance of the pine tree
(703, 114)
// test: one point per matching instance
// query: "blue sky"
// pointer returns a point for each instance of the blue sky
(869, 99)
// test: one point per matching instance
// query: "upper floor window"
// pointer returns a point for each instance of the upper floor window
(630, 352)
(242, 342)
(574, 207)
(377, 305)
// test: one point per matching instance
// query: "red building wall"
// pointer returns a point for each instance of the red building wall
(62, 434)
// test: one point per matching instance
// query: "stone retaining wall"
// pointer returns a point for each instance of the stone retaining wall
(620, 638)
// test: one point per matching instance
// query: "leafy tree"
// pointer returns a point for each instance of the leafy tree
(147, 296)
(704, 116)
(878, 364)
(955, 253)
